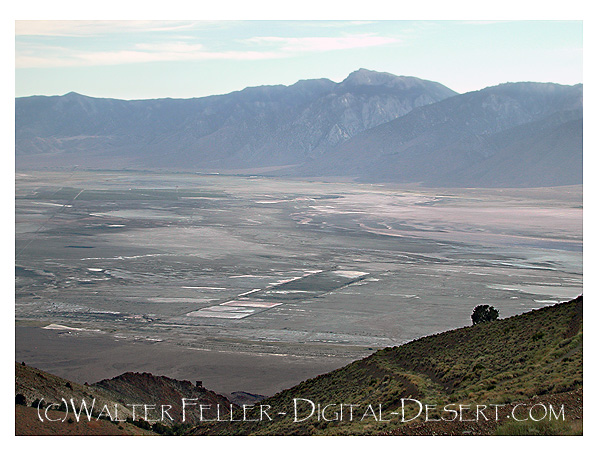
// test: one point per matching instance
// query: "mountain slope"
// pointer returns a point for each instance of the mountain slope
(373, 126)
(34, 386)
(258, 126)
(533, 155)
(517, 134)
(119, 394)
(509, 360)
(529, 359)
(145, 388)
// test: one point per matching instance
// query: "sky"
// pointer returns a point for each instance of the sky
(186, 58)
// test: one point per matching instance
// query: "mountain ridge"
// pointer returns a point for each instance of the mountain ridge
(438, 144)
(372, 126)
(263, 125)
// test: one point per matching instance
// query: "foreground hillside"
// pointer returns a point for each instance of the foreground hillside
(520, 359)
(27, 423)
(530, 363)
(36, 390)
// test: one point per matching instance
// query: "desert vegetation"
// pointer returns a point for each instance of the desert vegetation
(524, 357)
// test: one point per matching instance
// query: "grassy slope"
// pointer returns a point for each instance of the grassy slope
(535, 353)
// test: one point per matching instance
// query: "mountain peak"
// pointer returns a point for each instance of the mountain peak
(364, 77)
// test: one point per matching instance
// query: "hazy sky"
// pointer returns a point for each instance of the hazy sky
(182, 59)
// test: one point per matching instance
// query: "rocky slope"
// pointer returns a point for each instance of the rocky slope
(255, 127)
(36, 390)
(147, 389)
(511, 135)
(27, 423)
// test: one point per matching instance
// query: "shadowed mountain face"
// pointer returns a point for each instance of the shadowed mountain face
(145, 388)
(372, 126)
(258, 126)
(511, 135)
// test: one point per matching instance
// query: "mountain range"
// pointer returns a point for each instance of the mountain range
(372, 126)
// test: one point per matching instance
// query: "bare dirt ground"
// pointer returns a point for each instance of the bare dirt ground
(93, 358)
(27, 423)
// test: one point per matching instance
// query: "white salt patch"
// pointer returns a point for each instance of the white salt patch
(200, 198)
(177, 300)
(284, 281)
(64, 327)
(51, 204)
(284, 292)
(349, 274)
(233, 309)
(249, 292)
(254, 304)
(221, 315)
(203, 287)
(500, 287)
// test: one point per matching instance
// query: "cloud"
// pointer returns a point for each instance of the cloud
(141, 53)
(170, 47)
(324, 23)
(95, 28)
(51, 44)
(322, 44)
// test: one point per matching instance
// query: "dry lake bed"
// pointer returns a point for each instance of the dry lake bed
(255, 284)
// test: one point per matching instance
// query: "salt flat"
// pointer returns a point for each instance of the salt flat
(157, 260)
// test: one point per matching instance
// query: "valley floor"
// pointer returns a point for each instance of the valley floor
(256, 284)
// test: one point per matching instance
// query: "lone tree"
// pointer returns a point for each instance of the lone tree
(484, 313)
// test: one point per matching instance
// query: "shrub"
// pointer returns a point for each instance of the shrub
(528, 428)
(484, 313)
(537, 336)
